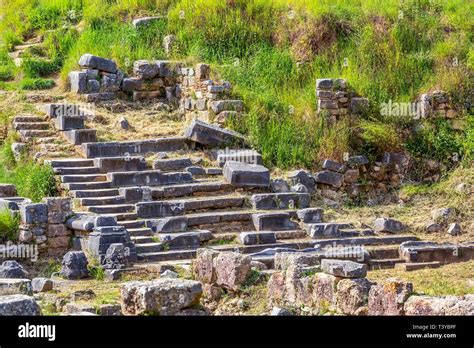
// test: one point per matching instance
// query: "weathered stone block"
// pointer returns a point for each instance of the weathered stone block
(207, 134)
(203, 266)
(273, 222)
(254, 238)
(217, 106)
(344, 269)
(334, 166)
(59, 209)
(65, 123)
(246, 175)
(329, 178)
(36, 213)
(93, 62)
(18, 305)
(10, 286)
(303, 177)
(78, 81)
(42, 284)
(352, 296)
(232, 269)
(74, 265)
(310, 215)
(80, 136)
(440, 305)
(163, 296)
(388, 225)
(389, 297)
(159, 209)
(7, 190)
(286, 200)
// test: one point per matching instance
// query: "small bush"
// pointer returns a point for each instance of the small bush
(32, 180)
(38, 83)
(9, 225)
(34, 67)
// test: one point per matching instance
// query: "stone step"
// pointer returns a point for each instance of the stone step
(55, 147)
(83, 178)
(96, 201)
(383, 252)
(74, 186)
(142, 239)
(71, 163)
(31, 125)
(32, 134)
(384, 263)
(133, 224)
(95, 193)
(181, 190)
(355, 232)
(136, 147)
(216, 202)
(218, 217)
(149, 247)
(76, 170)
(140, 231)
(148, 178)
(168, 255)
(125, 216)
(172, 164)
(112, 209)
(25, 119)
(414, 266)
(47, 140)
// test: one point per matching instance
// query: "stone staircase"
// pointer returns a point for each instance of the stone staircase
(173, 206)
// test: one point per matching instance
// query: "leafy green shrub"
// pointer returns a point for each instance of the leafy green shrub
(32, 180)
(34, 67)
(38, 83)
(379, 137)
(9, 225)
(436, 141)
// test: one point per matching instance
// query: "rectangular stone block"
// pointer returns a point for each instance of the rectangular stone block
(136, 194)
(217, 106)
(94, 62)
(34, 213)
(148, 178)
(120, 164)
(246, 175)
(273, 222)
(208, 134)
(286, 200)
(78, 81)
(254, 238)
(59, 209)
(172, 164)
(136, 147)
(159, 209)
(80, 136)
(65, 123)
(7, 190)
(169, 224)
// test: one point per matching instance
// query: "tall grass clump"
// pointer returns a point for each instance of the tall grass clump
(32, 180)
(9, 225)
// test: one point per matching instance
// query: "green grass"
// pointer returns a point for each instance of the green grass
(36, 83)
(9, 225)
(273, 55)
(32, 180)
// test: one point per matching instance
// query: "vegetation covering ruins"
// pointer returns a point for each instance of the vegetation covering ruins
(244, 156)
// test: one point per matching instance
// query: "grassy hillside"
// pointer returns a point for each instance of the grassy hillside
(273, 52)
